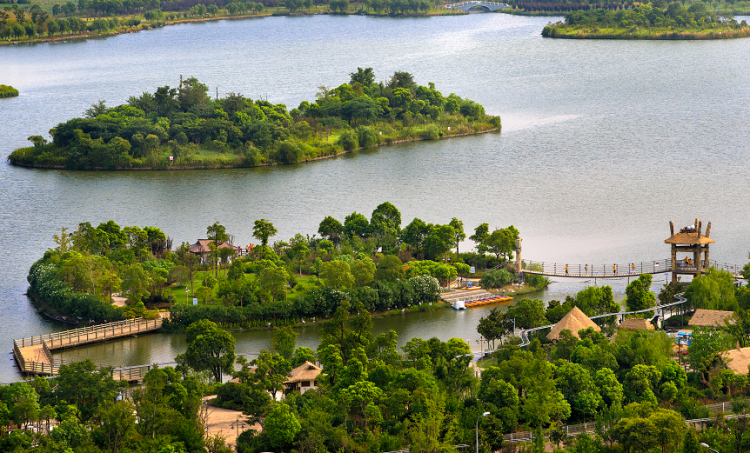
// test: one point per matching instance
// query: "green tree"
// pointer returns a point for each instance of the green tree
(707, 350)
(273, 279)
(209, 348)
(502, 242)
(390, 268)
(331, 229)
(480, 236)
(458, 231)
(337, 274)
(713, 290)
(638, 295)
(85, 386)
(439, 242)
(271, 371)
(284, 341)
(281, 426)
(363, 271)
(263, 230)
(117, 424)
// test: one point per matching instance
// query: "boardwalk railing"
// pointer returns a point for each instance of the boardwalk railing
(34, 355)
(99, 332)
(617, 270)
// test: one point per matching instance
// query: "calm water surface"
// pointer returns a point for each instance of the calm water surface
(603, 143)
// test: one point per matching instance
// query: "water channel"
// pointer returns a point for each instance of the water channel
(603, 143)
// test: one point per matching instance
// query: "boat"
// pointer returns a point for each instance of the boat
(463, 305)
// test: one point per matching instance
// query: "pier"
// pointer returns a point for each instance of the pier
(34, 354)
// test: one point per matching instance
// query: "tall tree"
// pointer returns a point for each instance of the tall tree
(263, 230)
(209, 349)
(458, 231)
(331, 229)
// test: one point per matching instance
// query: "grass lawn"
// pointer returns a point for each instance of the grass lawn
(177, 291)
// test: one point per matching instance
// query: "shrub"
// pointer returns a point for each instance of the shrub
(348, 140)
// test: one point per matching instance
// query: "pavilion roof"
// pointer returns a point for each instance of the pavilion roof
(574, 321)
(738, 360)
(305, 372)
(689, 239)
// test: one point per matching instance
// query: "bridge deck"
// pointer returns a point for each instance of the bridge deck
(33, 354)
(620, 270)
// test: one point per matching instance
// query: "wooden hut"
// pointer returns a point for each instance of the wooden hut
(574, 321)
(692, 241)
(303, 378)
(709, 318)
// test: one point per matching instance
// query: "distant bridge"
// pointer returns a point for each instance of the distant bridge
(619, 270)
(487, 6)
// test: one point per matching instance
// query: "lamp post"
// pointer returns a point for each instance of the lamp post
(483, 415)
(186, 294)
(706, 446)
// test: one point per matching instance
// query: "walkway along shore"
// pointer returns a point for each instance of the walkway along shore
(225, 167)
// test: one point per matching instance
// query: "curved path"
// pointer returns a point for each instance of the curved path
(466, 6)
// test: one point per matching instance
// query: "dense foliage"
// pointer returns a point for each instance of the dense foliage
(184, 127)
(370, 263)
(7, 91)
(648, 20)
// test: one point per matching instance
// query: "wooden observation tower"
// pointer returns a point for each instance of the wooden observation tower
(691, 241)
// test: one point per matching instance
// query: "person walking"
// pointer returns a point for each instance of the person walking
(614, 268)
(566, 269)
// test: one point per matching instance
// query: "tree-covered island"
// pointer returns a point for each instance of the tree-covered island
(7, 91)
(183, 127)
(672, 21)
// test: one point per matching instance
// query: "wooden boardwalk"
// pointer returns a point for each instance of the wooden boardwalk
(34, 354)
(619, 270)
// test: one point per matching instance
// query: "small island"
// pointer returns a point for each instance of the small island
(183, 128)
(673, 21)
(108, 273)
(7, 91)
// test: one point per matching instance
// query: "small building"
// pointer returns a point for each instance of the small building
(636, 324)
(202, 249)
(694, 243)
(574, 321)
(710, 318)
(303, 378)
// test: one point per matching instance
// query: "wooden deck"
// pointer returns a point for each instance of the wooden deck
(34, 354)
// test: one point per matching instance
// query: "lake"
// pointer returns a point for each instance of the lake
(603, 143)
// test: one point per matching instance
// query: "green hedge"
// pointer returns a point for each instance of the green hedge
(7, 91)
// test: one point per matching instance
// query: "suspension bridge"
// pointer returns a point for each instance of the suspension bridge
(618, 270)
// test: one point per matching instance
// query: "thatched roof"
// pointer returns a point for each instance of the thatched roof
(689, 239)
(709, 318)
(738, 360)
(574, 321)
(636, 324)
(305, 372)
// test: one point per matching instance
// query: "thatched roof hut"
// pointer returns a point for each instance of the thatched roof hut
(709, 318)
(574, 321)
(636, 324)
(303, 377)
(689, 239)
(738, 360)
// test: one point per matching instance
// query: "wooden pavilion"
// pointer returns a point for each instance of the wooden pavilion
(692, 241)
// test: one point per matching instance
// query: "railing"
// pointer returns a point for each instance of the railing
(592, 270)
(101, 331)
(617, 270)
(524, 334)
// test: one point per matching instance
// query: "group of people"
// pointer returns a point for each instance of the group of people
(614, 269)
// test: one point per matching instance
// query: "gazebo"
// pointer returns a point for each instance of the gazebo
(573, 321)
(692, 241)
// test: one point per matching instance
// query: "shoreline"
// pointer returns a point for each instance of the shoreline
(228, 167)
(92, 35)
(666, 36)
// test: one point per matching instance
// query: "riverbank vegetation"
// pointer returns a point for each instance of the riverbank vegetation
(7, 91)
(32, 21)
(371, 263)
(675, 21)
(184, 128)
(632, 387)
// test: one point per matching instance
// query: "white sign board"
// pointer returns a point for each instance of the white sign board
(195, 301)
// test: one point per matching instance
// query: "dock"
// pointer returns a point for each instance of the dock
(34, 354)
